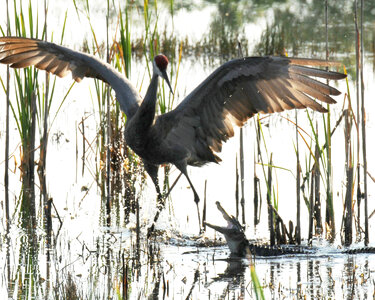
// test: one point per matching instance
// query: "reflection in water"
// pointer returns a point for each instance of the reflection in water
(234, 274)
(108, 268)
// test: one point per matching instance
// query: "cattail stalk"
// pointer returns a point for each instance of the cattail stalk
(311, 207)
(330, 218)
(108, 178)
(270, 210)
(298, 183)
(364, 132)
(357, 55)
(242, 173)
(6, 175)
(237, 190)
(349, 182)
(317, 203)
(204, 213)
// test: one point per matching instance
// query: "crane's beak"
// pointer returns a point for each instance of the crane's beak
(165, 77)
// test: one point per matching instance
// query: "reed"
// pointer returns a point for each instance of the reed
(270, 210)
(358, 106)
(25, 111)
(242, 161)
(298, 189)
(31, 110)
(204, 213)
(363, 125)
(236, 198)
(257, 200)
(330, 218)
(311, 209)
(258, 289)
(43, 155)
(6, 173)
(349, 182)
(124, 47)
(109, 133)
(268, 178)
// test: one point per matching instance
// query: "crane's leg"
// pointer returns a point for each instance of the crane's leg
(152, 170)
(182, 166)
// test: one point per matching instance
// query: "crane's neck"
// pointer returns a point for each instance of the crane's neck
(147, 110)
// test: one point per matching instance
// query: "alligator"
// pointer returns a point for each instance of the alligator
(240, 246)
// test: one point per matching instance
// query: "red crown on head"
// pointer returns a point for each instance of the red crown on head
(161, 61)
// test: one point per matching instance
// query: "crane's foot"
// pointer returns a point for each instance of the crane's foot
(160, 203)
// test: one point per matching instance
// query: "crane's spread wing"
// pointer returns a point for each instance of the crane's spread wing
(22, 52)
(235, 92)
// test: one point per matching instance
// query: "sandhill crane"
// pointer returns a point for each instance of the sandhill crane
(194, 131)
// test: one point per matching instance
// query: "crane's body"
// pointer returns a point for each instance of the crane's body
(194, 131)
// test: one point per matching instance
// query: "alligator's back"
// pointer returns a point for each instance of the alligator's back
(267, 250)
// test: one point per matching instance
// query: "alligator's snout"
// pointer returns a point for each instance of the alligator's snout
(234, 233)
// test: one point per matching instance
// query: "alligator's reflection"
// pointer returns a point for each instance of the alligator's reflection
(295, 277)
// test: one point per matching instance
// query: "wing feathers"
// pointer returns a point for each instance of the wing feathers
(241, 88)
(29, 61)
(307, 89)
(7, 51)
(23, 52)
(20, 53)
(316, 72)
(19, 57)
(313, 62)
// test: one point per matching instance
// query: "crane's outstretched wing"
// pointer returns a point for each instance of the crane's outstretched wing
(22, 52)
(235, 92)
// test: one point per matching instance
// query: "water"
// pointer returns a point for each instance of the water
(89, 259)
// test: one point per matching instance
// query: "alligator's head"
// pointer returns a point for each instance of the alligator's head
(233, 233)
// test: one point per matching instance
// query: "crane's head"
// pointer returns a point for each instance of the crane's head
(160, 68)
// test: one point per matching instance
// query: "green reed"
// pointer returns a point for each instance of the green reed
(298, 184)
(258, 289)
(268, 178)
(363, 125)
(349, 169)
(25, 111)
(6, 175)
(29, 111)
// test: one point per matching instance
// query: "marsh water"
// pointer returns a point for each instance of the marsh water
(97, 250)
